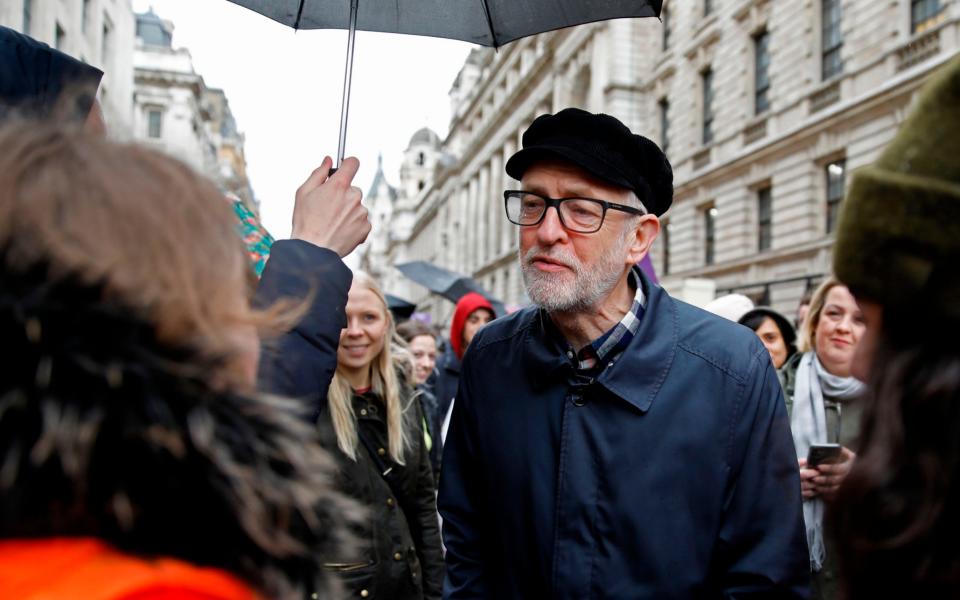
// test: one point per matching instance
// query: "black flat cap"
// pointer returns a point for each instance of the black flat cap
(602, 146)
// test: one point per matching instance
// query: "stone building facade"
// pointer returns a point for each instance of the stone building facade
(98, 32)
(177, 113)
(150, 91)
(764, 108)
(170, 113)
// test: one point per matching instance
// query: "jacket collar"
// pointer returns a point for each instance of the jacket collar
(636, 375)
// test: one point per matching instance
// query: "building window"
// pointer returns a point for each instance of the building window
(665, 19)
(831, 39)
(106, 41)
(420, 185)
(154, 123)
(84, 15)
(59, 37)
(761, 72)
(27, 15)
(923, 14)
(764, 219)
(664, 105)
(421, 159)
(706, 84)
(836, 180)
(709, 234)
(666, 247)
(707, 7)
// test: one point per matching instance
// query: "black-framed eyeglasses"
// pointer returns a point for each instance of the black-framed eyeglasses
(580, 215)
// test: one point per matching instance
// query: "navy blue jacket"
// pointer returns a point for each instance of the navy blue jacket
(672, 475)
(301, 363)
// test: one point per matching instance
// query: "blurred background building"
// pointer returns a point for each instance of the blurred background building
(150, 91)
(98, 32)
(764, 108)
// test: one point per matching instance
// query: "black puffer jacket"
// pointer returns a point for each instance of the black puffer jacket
(401, 556)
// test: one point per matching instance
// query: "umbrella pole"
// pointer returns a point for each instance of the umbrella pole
(347, 76)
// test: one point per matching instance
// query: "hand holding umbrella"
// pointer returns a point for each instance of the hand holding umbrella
(328, 212)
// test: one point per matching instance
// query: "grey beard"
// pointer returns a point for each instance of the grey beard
(590, 285)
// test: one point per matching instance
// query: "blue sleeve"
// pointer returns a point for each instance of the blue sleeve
(459, 498)
(301, 362)
(762, 546)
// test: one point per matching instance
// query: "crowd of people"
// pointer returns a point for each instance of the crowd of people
(174, 426)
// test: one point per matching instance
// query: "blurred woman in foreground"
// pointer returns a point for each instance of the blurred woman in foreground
(373, 425)
(136, 459)
(898, 248)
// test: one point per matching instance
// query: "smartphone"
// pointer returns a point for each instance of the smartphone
(820, 454)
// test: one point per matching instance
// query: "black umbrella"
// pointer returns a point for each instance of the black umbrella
(485, 22)
(448, 284)
(401, 309)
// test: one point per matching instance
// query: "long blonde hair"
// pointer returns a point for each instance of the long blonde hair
(387, 371)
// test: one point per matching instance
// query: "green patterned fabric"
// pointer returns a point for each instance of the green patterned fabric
(255, 236)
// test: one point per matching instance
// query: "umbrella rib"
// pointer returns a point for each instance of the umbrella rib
(486, 12)
(296, 24)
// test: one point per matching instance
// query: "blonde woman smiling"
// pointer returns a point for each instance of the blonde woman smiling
(373, 426)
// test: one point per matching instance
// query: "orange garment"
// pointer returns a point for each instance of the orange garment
(88, 569)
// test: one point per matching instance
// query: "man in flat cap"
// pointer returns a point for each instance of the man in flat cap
(610, 441)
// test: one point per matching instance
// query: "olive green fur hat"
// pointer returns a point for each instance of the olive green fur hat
(898, 238)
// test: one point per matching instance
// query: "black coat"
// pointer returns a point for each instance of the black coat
(400, 556)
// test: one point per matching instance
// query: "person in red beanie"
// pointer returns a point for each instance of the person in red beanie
(473, 312)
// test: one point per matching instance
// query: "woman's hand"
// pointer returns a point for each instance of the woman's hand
(807, 485)
(830, 476)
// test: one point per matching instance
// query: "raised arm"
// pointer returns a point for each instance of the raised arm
(328, 223)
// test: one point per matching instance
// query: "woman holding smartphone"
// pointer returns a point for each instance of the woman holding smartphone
(821, 395)
(372, 424)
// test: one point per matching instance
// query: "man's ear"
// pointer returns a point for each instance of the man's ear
(647, 229)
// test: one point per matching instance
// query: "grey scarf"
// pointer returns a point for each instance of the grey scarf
(809, 426)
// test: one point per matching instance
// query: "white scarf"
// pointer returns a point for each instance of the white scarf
(809, 426)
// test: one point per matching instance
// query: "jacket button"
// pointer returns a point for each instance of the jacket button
(397, 556)
(578, 400)
(363, 412)
(389, 501)
(381, 451)
(364, 594)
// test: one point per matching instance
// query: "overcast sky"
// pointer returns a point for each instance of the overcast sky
(284, 88)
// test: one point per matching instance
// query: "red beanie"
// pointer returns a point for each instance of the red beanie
(465, 307)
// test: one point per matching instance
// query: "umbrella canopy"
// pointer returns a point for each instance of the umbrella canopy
(448, 284)
(401, 309)
(484, 22)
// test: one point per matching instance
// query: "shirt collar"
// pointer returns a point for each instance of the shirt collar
(597, 354)
(639, 371)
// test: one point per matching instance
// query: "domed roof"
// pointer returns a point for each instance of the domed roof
(426, 136)
(153, 30)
